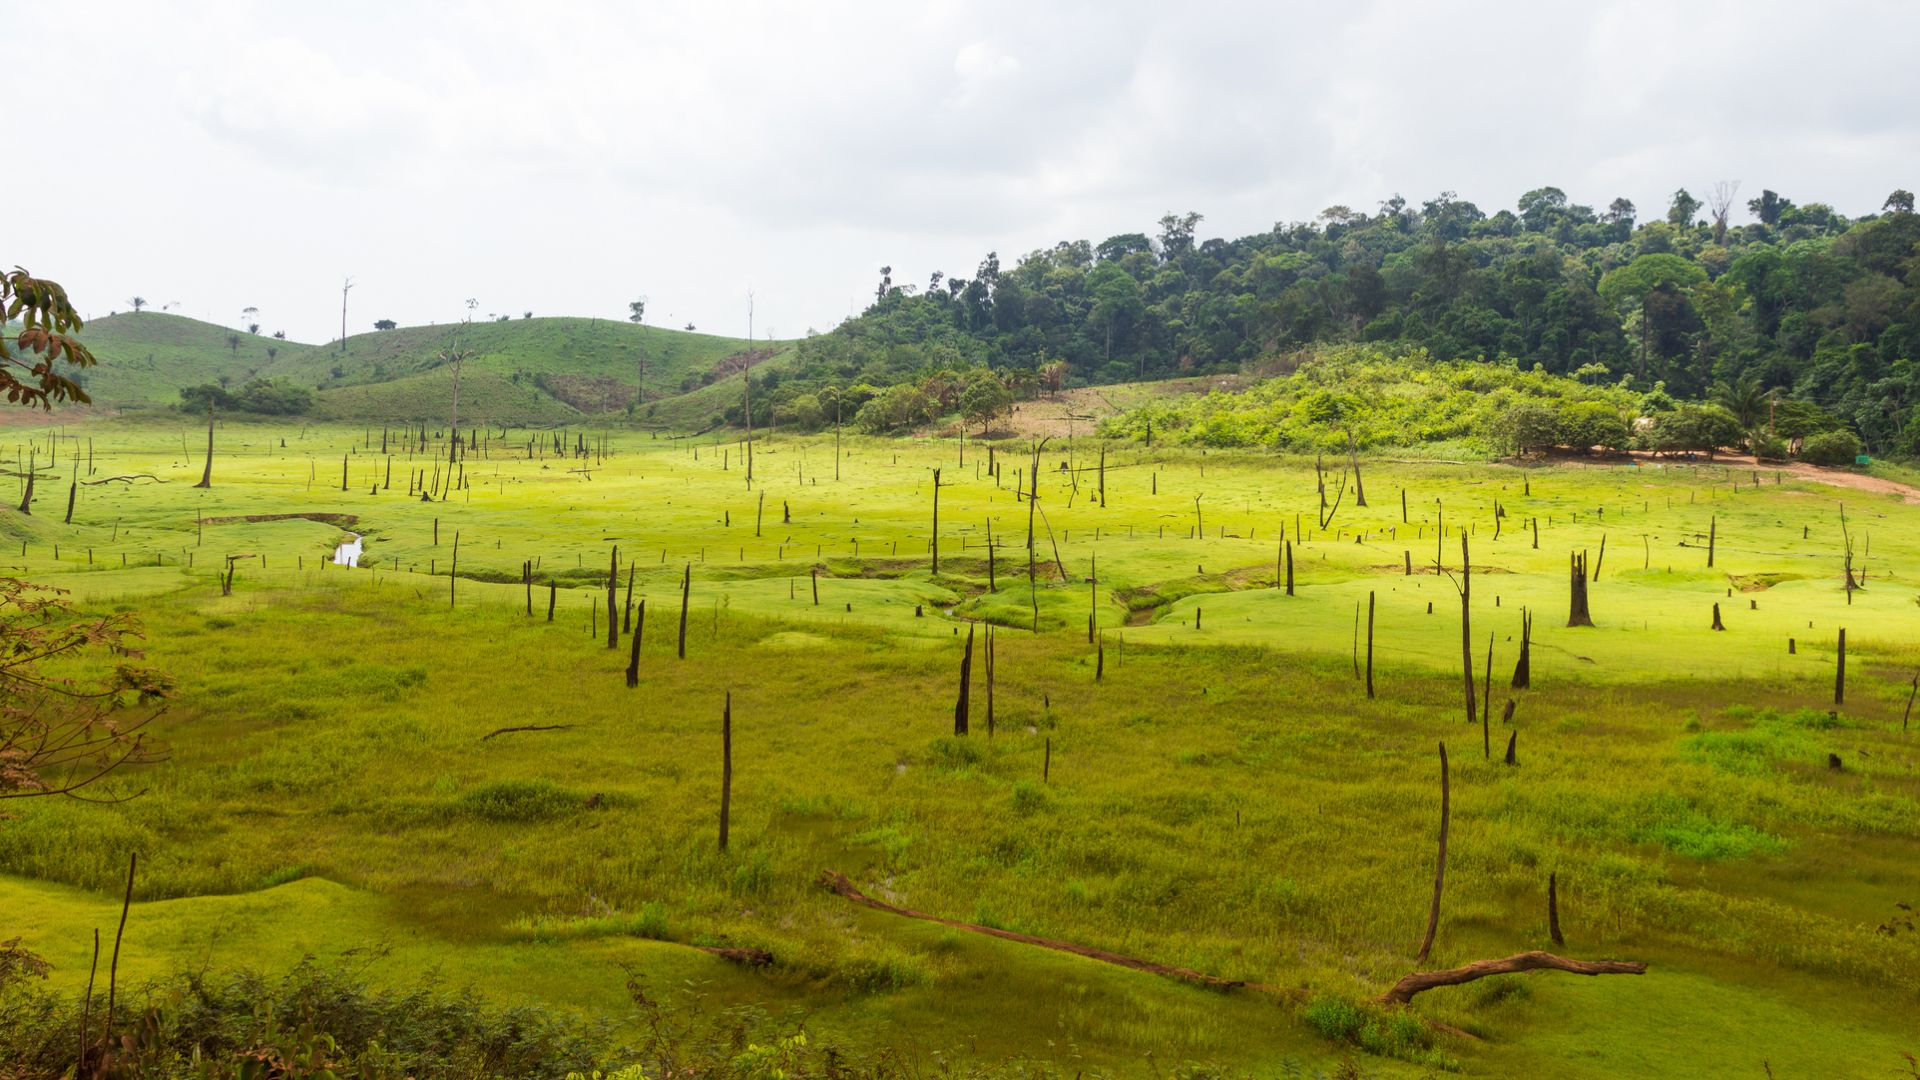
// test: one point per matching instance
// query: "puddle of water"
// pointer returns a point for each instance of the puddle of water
(348, 553)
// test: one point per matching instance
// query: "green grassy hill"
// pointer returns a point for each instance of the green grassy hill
(525, 371)
(146, 357)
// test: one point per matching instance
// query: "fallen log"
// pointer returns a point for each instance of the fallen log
(838, 883)
(123, 479)
(749, 957)
(527, 727)
(1416, 982)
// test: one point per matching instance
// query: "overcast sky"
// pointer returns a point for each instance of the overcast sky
(569, 157)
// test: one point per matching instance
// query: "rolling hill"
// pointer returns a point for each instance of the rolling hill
(524, 371)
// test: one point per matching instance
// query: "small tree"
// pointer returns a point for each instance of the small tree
(637, 311)
(385, 324)
(138, 302)
(983, 399)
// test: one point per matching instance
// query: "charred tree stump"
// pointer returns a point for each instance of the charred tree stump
(1577, 612)
(1717, 624)
(1523, 667)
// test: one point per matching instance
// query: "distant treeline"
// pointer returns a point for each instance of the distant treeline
(1802, 302)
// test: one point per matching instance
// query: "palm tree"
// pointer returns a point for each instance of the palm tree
(1746, 399)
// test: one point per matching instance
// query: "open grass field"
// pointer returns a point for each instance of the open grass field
(1206, 785)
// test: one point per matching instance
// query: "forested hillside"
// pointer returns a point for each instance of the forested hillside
(1801, 300)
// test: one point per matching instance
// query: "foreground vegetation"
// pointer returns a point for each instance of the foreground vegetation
(1206, 785)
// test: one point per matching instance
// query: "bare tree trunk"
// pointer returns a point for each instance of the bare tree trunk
(686, 593)
(1466, 623)
(1553, 909)
(726, 768)
(1353, 458)
(1440, 867)
(1840, 672)
(633, 657)
(1369, 644)
(613, 599)
(961, 704)
(206, 475)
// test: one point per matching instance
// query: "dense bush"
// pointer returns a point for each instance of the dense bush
(1831, 448)
(1384, 399)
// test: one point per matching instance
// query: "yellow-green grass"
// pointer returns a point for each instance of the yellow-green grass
(1224, 798)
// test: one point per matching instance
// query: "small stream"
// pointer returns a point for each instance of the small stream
(348, 553)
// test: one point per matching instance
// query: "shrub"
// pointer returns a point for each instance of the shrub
(520, 800)
(1831, 448)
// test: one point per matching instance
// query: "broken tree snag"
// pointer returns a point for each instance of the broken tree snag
(960, 705)
(613, 599)
(726, 767)
(1523, 667)
(686, 592)
(1422, 981)
(840, 886)
(525, 727)
(1553, 909)
(1353, 459)
(626, 613)
(1440, 868)
(1840, 671)
(1466, 623)
(1600, 558)
(1513, 738)
(989, 659)
(633, 658)
(1369, 644)
(1717, 624)
(553, 595)
(206, 475)
(1577, 613)
(814, 573)
(936, 523)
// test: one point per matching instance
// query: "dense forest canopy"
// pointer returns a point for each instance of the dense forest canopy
(1802, 302)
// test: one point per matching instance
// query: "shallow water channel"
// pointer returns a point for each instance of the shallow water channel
(348, 553)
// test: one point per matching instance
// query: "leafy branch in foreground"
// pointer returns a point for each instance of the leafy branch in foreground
(29, 374)
(64, 724)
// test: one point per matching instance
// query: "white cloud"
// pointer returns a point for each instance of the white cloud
(567, 157)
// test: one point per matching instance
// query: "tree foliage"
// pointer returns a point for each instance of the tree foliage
(1812, 306)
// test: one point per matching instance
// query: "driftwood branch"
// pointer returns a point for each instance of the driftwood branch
(1419, 981)
(526, 727)
(122, 479)
(838, 884)
(749, 957)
